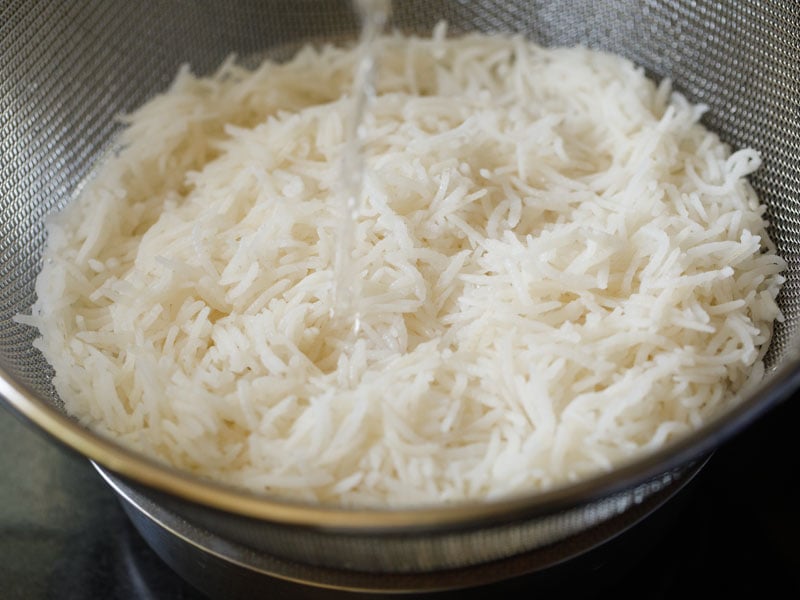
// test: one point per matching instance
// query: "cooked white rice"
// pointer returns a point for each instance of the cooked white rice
(560, 268)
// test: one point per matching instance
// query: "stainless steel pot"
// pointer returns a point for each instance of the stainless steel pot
(66, 71)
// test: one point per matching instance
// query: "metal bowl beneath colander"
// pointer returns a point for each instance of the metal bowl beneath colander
(234, 570)
(68, 69)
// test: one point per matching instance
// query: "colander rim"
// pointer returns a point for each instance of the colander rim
(141, 470)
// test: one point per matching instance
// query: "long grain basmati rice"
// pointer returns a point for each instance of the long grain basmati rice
(560, 269)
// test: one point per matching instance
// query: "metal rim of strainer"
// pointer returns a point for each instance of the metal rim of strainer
(142, 470)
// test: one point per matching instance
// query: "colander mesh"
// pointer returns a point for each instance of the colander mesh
(67, 69)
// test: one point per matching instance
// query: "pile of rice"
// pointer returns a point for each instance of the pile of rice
(560, 268)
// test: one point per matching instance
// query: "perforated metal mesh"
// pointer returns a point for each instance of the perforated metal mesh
(68, 68)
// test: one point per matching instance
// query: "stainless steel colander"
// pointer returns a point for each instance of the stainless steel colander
(67, 69)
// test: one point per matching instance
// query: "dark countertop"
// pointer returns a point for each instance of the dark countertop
(736, 528)
(63, 534)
